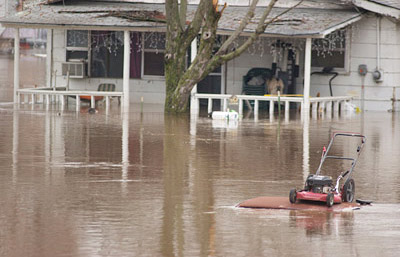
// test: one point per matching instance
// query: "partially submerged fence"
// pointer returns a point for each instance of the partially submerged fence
(321, 104)
(59, 95)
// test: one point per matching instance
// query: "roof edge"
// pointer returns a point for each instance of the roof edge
(342, 25)
(378, 8)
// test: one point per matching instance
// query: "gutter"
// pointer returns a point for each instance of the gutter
(341, 25)
(378, 8)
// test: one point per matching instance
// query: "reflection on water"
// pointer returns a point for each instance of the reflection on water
(132, 184)
(323, 223)
(136, 184)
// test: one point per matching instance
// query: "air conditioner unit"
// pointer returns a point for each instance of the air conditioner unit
(76, 69)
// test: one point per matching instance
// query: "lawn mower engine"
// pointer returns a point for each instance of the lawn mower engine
(319, 184)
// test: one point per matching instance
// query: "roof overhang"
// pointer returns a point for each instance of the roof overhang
(299, 22)
(376, 7)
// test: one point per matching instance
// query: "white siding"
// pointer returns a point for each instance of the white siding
(362, 51)
(152, 90)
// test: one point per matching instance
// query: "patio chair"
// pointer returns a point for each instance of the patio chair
(104, 87)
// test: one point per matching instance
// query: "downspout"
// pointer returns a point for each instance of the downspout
(378, 43)
(378, 73)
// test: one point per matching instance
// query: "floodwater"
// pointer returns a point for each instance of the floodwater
(149, 184)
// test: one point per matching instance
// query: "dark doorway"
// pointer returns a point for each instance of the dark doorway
(211, 85)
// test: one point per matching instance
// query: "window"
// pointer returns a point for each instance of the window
(331, 51)
(153, 54)
(103, 53)
(77, 45)
(107, 54)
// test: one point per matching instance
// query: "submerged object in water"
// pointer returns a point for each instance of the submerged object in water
(92, 111)
(363, 202)
(229, 115)
(276, 202)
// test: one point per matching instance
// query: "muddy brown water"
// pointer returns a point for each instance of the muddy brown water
(75, 184)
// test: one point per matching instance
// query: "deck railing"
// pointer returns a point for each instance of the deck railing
(59, 94)
(321, 104)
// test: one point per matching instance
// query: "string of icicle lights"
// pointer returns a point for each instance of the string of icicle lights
(113, 41)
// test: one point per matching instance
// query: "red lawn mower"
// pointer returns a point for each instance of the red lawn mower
(320, 188)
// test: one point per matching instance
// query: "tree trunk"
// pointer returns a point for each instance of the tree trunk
(181, 80)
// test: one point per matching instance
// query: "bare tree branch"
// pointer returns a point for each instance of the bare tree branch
(262, 25)
(281, 14)
(195, 25)
(172, 12)
(242, 26)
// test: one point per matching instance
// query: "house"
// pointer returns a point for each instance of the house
(329, 47)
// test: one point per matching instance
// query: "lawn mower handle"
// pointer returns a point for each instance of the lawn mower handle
(354, 160)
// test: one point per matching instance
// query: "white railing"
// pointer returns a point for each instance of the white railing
(321, 104)
(58, 95)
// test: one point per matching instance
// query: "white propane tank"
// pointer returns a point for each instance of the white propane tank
(232, 115)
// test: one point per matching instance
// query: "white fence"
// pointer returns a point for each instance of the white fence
(321, 104)
(58, 95)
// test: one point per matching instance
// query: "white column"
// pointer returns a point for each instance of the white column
(127, 60)
(49, 57)
(307, 77)
(16, 64)
(194, 103)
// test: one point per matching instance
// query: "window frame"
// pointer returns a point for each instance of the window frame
(346, 50)
(90, 55)
(150, 50)
(79, 48)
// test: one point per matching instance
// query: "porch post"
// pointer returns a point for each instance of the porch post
(194, 102)
(16, 64)
(127, 55)
(307, 77)
(49, 58)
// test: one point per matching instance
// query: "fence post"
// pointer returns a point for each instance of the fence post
(256, 109)
(210, 103)
(240, 106)
(271, 107)
(78, 102)
(225, 105)
(93, 103)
